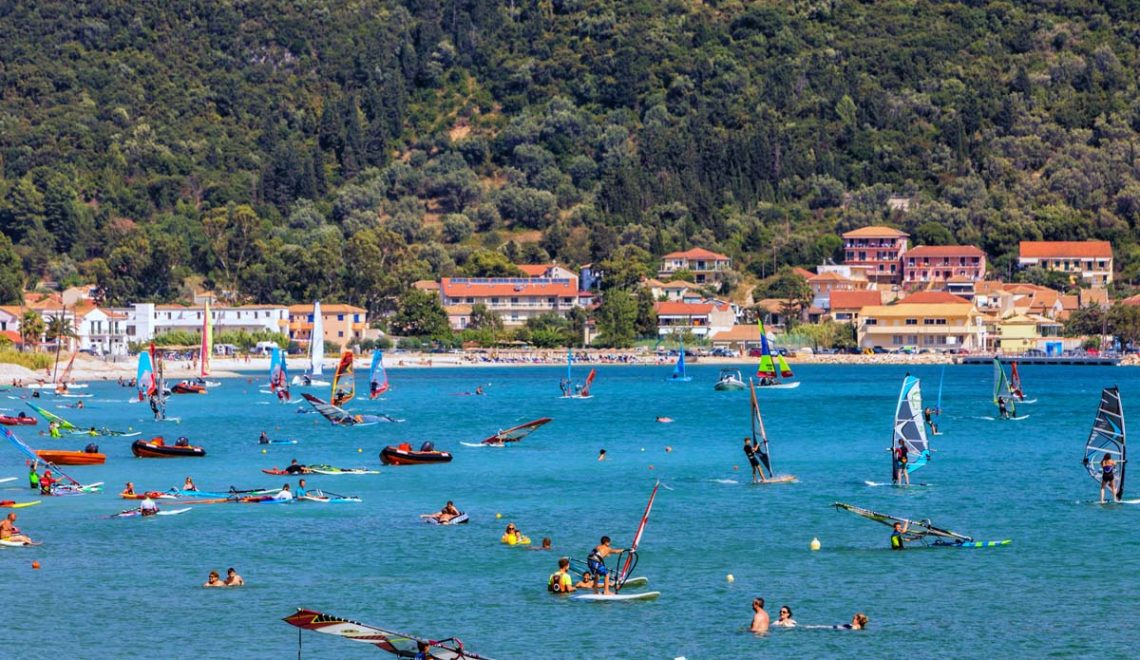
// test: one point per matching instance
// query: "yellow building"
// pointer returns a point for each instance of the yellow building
(343, 324)
(1022, 332)
(932, 326)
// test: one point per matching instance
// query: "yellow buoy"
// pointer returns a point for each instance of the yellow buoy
(498, 515)
(815, 545)
(263, 451)
(359, 450)
(730, 578)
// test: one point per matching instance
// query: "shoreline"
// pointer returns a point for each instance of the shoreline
(88, 368)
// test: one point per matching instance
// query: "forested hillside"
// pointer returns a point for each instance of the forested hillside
(288, 150)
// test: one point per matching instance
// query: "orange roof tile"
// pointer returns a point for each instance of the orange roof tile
(1066, 249)
(933, 297)
(12, 336)
(828, 277)
(803, 272)
(696, 253)
(855, 299)
(498, 287)
(534, 270)
(944, 251)
(876, 231)
(746, 332)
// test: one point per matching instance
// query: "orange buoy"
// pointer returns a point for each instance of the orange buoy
(36, 565)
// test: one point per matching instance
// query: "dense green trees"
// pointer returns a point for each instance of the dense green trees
(282, 151)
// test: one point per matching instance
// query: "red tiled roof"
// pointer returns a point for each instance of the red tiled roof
(803, 272)
(696, 253)
(534, 270)
(1063, 249)
(944, 251)
(12, 336)
(685, 309)
(933, 298)
(876, 231)
(507, 287)
(855, 299)
(828, 277)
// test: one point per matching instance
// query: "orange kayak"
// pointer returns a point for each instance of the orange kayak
(61, 457)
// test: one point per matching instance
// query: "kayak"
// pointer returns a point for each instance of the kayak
(63, 457)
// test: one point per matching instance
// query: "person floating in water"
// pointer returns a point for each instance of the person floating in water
(897, 538)
(479, 390)
(858, 622)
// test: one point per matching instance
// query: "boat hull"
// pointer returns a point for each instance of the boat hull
(728, 386)
(17, 421)
(143, 449)
(396, 456)
(61, 457)
(188, 389)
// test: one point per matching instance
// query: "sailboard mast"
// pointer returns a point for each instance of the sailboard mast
(1001, 389)
(631, 553)
(1107, 438)
(317, 342)
(66, 377)
(909, 426)
(377, 376)
(207, 341)
(679, 369)
(758, 423)
(160, 381)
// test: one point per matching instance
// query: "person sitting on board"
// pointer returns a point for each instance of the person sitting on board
(759, 617)
(750, 449)
(283, 495)
(128, 491)
(9, 532)
(479, 390)
(858, 622)
(785, 619)
(445, 515)
(1002, 411)
(560, 582)
(901, 459)
(214, 580)
(596, 561)
(233, 579)
(1108, 477)
(301, 490)
(148, 507)
(47, 482)
(189, 484)
(928, 416)
(296, 468)
(897, 536)
(263, 439)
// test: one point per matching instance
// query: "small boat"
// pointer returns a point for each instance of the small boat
(679, 375)
(773, 370)
(89, 456)
(186, 387)
(729, 380)
(157, 448)
(19, 420)
(403, 454)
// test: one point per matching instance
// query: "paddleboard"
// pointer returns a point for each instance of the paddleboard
(5, 480)
(778, 479)
(1027, 401)
(876, 484)
(618, 597)
(18, 505)
(173, 512)
(76, 396)
(335, 473)
(980, 544)
(19, 544)
(1107, 502)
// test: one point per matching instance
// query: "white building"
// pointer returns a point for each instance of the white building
(146, 320)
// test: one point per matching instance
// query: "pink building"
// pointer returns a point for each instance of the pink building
(939, 263)
(879, 249)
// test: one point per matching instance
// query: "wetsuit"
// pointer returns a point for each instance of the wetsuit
(900, 462)
(750, 452)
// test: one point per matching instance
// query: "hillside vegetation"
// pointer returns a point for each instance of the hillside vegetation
(289, 150)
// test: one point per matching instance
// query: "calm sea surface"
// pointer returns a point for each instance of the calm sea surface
(130, 588)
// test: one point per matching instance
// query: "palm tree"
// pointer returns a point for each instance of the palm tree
(31, 329)
(59, 327)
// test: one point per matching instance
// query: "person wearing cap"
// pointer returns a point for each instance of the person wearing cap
(47, 482)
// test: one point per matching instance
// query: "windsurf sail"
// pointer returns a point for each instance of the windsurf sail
(917, 530)
(144, 377)
(159, 382)
(334, 414)
(679, 368)
(377, 376)
(52, 417)
(909, 426)
(1015, 381)
(631, 553)
(516, 433)
(278, 376)
(403, 646)
(34, 457)
(1107, 438)
(941, 378)
(66, 377)
(769, 367)
(585, 392)
(758, 425)
(317, 342)
(344, 382)
(1001, 389)
(207, 341)
(569, 364)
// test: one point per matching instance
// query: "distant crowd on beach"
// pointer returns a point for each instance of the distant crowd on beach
(555, 357)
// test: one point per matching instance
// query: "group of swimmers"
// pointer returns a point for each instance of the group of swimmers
(596, 577)
(761, 620)
(232, 579)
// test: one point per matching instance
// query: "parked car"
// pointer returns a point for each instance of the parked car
(879, 350)
(1035, 352)
(723, 352)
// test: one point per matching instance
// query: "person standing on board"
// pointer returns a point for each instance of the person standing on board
(897, 540)
(750, 451)
(596, 561)
(901, 460)
(928, 415)
(759, 617)
(1003, 412)
(1108, 477)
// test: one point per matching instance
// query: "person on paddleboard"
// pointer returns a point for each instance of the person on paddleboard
(560, 581)
(901, 459)
(750, 449)
(596, 561)
(9, 531)
(1108, 477)
(897, 540)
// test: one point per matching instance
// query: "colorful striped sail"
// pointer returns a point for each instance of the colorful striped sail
(344, 382)
(1107, 438)
(144, 376)
(1002, 390)
(770, 366)
(207, 342)
(909, 425)
(278, 376)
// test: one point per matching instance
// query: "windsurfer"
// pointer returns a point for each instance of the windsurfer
(233, 579)
(189, 484)
(897, 536)
(9, 531)
(340, 397)
(53, 429)
(148, 507)
(900, 462)
(423, 651)
(596, 561)
(759, 616)
(1003, 412)
(564, 385)
(33, 477)
(750, 449)
(301, 490)
(560, 582)
(1108, 477)
(928, 415)
(46, 483)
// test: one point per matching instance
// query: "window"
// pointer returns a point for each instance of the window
(896, 339)
(356, 318)
(340, 317)
(494, 301)
(912, 321)
(470, 301)
(340, 333)
(514, 301)
(870, 321)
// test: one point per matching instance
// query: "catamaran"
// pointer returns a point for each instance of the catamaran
(1015, 385)
(570, 390)
(910, 429)
(729, 380)
(1107, 439)
(679, 375)
(1003, 395)
(626, 562)
(760, 439)
(279, 375)
(403, 646)
(377, 376)
(68, 486)
(316, 352)
(922, 531)
(344, 381)
(772, 370)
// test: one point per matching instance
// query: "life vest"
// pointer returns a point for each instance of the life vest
(896, 541)
(554, 584)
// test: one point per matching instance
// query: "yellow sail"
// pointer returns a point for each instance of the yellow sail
(207, 341)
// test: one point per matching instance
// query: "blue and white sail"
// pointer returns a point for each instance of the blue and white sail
(1107, 438)
(909, 425)
(679, 375)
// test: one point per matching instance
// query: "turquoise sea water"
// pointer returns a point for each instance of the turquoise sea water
(129, 588)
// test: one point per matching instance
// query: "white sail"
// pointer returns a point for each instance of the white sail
(317, 342)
